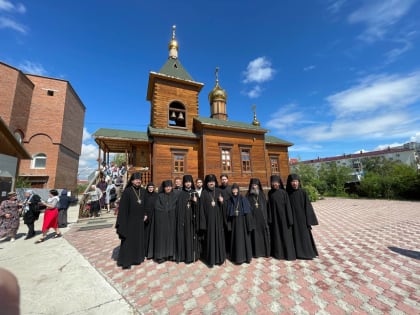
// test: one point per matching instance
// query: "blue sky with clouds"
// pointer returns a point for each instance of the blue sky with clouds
(331, 76)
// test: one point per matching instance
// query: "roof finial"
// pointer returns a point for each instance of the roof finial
(173, 45)
(216, 73)
(255, 122)
(173, 31)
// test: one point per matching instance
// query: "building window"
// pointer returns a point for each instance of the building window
(18, 136)
(274, 162)
(246, 160)
(39, 161)
(226, 160)
(50, 92)
(177, 115)
(178, 162)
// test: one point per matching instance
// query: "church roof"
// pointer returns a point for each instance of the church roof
(275, 140)
(230, 124)
(120, 134)
(174, 68)
(171, 132)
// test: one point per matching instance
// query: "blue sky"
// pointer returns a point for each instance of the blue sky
(330, 76)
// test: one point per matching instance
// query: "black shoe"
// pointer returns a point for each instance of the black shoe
(29, 236)
(126, 267)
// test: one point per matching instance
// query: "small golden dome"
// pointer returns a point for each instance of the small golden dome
(217, 93)
(173, 44)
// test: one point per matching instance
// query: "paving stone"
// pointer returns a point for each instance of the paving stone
(368, 264)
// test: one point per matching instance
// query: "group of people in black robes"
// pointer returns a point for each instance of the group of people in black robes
(214, 224)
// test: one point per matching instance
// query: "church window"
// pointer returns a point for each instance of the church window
(178, 162)
(226, 160)
(39, 161)
(274, 162)
(177, 115)
(246, 160)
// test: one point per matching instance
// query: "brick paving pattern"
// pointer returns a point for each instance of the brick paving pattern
(369, 263)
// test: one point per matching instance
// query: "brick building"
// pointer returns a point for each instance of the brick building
(47, 117)
(179, 141)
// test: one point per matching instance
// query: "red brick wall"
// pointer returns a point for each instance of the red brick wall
(15, 98)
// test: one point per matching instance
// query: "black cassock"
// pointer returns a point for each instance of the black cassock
(163, 239)
(303, 218)
(260, 236)
(130, 227)
(187, 227)
(240, 223)
(280, 219)
(149, 209)
(212, 220)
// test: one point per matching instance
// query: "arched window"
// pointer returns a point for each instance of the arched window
(177, 115)
(39, 161)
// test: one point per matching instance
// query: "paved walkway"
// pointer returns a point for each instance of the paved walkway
(369, 263)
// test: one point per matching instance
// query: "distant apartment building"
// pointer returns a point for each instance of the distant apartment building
(408, 154)
(46, 116)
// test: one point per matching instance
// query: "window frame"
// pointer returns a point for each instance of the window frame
(276, 170)
(38, 157)
(246, 165)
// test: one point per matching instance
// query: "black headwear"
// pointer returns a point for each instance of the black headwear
(165, 183)
(291, 178)
(210, 178)
(276, 178)
(150, 184)
(235, 186)
(254, 181)
(188, 178)
(133, 176)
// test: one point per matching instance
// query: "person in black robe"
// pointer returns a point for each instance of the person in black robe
(149, 209)
(303, 219)
(130, 223)
(187, 225)
(260, 236)
(212, 220)
(280, 220)
(164, 223)
(31, 211)
(63, 206)
(240, 223)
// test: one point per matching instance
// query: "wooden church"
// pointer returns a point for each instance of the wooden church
(179, 141)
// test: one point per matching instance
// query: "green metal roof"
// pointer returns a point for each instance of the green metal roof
(171, 132)
(121, 134)
(229, 124)
(275, 140)
(174, 68)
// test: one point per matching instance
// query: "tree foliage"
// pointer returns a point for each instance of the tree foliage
(383, 178)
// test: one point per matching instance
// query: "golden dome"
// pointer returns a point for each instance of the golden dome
(217, 93)
(173, 44)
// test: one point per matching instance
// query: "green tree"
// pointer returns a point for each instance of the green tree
(334, 177)
(119, 159)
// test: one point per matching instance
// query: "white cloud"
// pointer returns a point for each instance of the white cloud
(255, 92)
(287, 116)
(309, 68)
(86, 135)
(259, 70)
(379, 16)
(88, 160)
(377, 93)
(33, 68)
(9, 23)
(336, 5)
